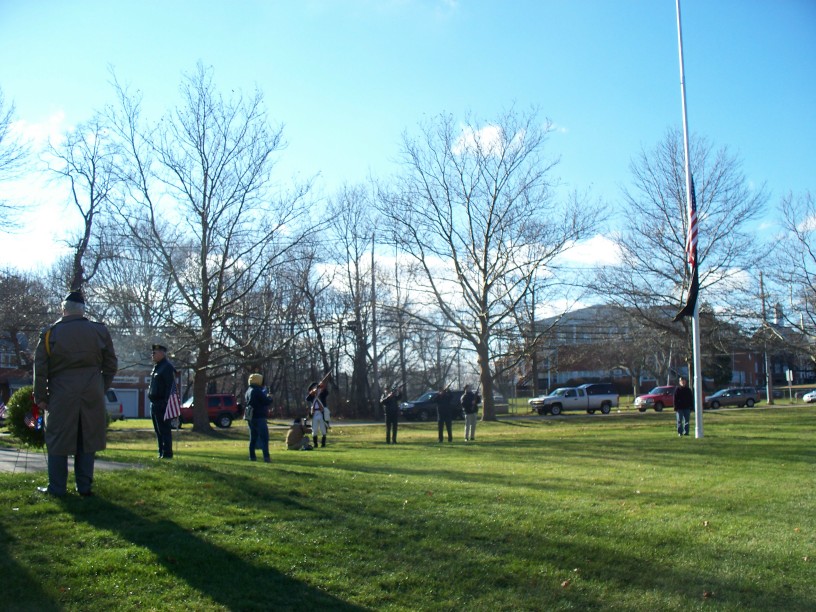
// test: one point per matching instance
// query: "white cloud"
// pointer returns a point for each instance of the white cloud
(490, 140)
(808, 225)
(596, 251)
(38, 135)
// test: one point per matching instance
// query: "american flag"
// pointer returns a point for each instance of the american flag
(691, 258)
(30, 420)
(173, 403)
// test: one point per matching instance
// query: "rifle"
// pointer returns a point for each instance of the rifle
(388, 394)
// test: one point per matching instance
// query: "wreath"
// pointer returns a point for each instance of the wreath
(23, 419)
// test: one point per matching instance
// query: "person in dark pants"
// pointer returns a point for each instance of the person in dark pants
(74, 365)
(444, 416)
(390, 404)
(683, 404)
(471, 409)
(257, 404)
(161, 384)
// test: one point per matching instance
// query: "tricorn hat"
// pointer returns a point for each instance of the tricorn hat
(75, 296)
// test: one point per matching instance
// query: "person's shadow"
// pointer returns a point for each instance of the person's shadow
(223, 576)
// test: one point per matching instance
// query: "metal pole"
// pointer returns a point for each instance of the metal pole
(375, 358)
(695, 321)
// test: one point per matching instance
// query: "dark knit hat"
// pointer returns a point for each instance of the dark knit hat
(75, 296)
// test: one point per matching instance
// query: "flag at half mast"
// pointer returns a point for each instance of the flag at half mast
(691, 258)
(173, 409)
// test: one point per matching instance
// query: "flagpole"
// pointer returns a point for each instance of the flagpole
(695, 321)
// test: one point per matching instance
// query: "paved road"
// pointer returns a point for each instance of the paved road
(24, 461)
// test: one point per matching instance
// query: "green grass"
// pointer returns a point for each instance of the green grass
(608, 513)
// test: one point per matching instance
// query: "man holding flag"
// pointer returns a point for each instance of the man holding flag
(164, 400)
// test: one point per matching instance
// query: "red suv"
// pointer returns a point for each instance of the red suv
(222, 409)
(658, 398)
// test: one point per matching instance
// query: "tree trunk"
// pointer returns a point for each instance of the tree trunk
(201, 420)
(486, 380)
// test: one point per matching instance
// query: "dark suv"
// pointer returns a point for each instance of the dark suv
(599, 389)
(222, 409)
(425, 406)
(733, 396)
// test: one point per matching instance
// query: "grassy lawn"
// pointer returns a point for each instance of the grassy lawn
(571, 513)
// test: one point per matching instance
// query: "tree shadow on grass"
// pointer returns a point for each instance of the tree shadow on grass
(221, 575)
(22, 590)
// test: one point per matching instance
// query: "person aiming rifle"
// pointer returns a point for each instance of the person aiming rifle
(317, 399)
(390, 404)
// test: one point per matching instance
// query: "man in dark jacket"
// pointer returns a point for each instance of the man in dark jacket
(390, 404)
(161, 384)
(444, 414)
(257, 404)
(74, 365)
(471, 409)
(683, 404)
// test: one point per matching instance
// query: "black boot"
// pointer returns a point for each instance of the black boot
(315, 441)
(323, 441)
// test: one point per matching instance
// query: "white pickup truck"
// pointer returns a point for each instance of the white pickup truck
(589, 397)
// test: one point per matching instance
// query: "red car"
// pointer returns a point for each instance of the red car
(222, 409)
(658, 398)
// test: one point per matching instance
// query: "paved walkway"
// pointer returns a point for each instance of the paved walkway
(24, 461)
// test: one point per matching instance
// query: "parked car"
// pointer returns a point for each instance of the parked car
(425, 406)
(801, 393)
(658, 398)
(116, 411)
(222, 409)
(733, 396)
(574, 398)
(809, 397)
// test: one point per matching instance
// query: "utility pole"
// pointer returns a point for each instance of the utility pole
(533, 347)
(768, 375)
(374, 365)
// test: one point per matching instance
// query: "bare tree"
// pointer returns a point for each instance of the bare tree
(794, 264)
(134, 295)
(85, 162)
(474, 208)
(351, 236)
(24, 311)
(649, 281)
(201, 182)
(13, 153)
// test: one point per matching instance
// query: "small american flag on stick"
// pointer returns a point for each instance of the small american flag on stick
(173, 409)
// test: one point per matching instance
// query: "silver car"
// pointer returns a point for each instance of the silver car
(114, 406)
(733, 396)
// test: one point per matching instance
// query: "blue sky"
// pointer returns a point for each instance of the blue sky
(347, 77)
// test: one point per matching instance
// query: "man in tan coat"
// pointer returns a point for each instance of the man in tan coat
(74, 365)
(297, 438)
